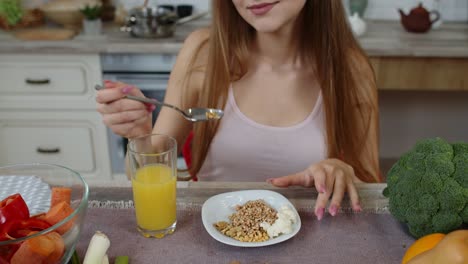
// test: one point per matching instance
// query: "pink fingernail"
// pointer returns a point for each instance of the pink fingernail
(357, 208)
(319, 213)
(127, 89)
(107, 81)
(333, 210)
(270, 180)
(150, 108)
(322, 189)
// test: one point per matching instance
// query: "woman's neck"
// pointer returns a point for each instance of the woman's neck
(277, 49)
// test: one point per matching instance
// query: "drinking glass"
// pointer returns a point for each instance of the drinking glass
(153, 169)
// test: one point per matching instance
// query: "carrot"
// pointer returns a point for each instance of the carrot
(57, 213)
(39, 216)
(35, 250)
(60, 194)
(58, 249)
(48, 248)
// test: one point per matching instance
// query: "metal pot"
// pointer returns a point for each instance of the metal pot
(155, 22)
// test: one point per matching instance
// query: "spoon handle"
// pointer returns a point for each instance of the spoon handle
(155, 102)
(149, 101)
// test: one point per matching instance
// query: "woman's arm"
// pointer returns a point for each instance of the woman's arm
(184, 86)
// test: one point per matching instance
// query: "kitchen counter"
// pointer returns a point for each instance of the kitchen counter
(383, 38)
(373, 236)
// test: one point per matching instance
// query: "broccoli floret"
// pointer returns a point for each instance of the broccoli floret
(460, 148)
(464, 214)
(433, 146)
(428, 187)
(461, 169)
(440, 163)
(444, 222)
(452, 197)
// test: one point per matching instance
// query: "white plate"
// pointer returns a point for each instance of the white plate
(221, 206)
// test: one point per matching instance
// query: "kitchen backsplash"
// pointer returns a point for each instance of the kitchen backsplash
(451, 10)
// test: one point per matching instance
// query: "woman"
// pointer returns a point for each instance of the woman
(298, 93)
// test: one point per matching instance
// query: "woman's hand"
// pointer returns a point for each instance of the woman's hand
(328, 176)
(126, 118)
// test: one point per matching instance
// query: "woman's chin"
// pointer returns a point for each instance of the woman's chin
(266, 29)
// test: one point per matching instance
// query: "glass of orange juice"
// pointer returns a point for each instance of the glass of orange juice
(153, 169)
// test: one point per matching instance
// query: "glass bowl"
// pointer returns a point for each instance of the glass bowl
(35, 183)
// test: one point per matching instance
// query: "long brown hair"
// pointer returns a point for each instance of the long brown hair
(326, 43)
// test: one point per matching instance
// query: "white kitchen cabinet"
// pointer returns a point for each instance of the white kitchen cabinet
(48, 113)
(49, 81)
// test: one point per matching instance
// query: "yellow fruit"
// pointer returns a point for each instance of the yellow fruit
(421, 245)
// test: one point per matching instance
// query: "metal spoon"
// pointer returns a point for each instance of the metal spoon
(192, 114)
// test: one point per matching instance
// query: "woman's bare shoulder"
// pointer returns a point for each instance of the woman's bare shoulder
(190, 66)
(198, 36)
(196, 41)
(194, 51)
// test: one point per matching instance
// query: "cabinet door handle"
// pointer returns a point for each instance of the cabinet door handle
(48, 150)
(38, 81)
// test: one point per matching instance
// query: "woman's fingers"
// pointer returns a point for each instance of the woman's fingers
(332, 179)
(320, 178)
(124, 117)
(301, 179)
(338, 192)
(354, 197)
(324, 185)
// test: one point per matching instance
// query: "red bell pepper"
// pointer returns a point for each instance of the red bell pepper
(13, 208)
(22, 228)
(7, 252)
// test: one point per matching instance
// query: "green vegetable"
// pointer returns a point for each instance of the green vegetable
(11, 10)
(428, 187)
(121, 260)
(75, 259)
(91, 12)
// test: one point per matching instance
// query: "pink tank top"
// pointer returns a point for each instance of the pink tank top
(243, 150)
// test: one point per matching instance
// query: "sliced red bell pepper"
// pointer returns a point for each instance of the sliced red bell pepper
(21, 228)
(13, 208)
(7, 252)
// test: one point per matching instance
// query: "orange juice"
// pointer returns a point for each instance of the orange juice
(154, 195)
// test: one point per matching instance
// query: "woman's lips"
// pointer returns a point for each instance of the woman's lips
(261, 9)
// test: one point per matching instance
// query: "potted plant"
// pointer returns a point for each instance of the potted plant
(92, 24)
(358, 6)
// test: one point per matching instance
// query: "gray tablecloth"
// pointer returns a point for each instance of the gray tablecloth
(346, 238)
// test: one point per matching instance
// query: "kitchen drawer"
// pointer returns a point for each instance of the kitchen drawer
(49, 82)
(75, 139)
(67, 146)
(36, 79)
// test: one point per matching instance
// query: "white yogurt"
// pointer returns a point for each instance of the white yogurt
(282, 225)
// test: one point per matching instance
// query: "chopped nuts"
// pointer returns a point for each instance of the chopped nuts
(211, 115)
(245, 222)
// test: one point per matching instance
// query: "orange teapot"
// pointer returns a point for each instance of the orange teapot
(419, 19)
